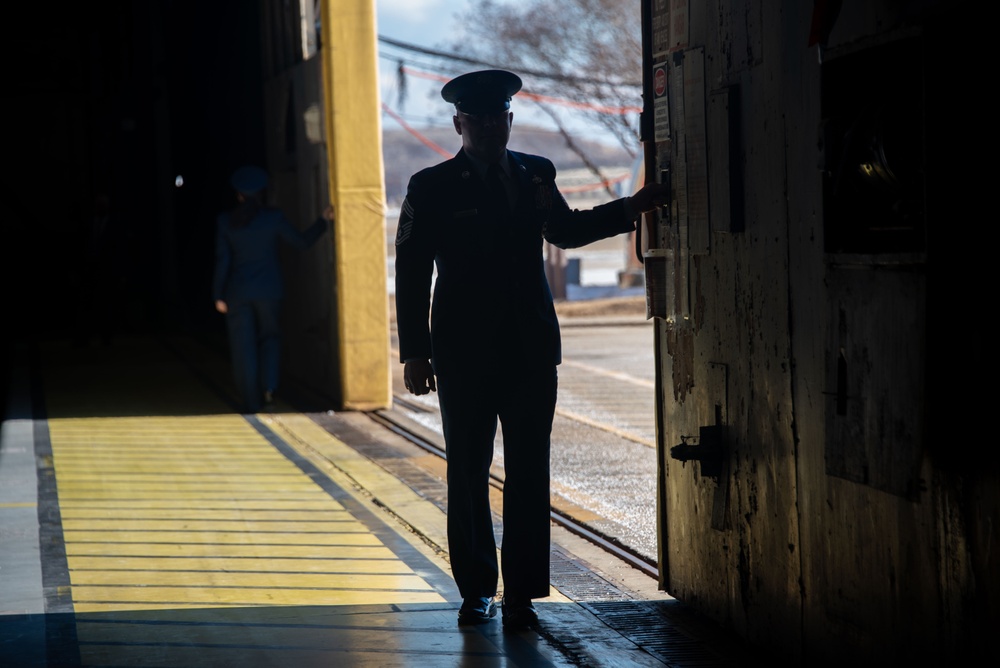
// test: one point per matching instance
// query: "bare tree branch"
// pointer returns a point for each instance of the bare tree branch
(591, 50)
(576, 149)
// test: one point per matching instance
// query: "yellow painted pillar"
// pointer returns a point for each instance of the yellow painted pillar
(357, 190)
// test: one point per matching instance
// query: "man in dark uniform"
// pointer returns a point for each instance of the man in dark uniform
(491, 345)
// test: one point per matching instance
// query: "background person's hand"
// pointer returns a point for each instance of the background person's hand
(220, 306)
(418, 376)
(329, 214)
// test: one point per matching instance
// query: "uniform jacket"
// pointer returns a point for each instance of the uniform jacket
(246, 258)
(490, 297)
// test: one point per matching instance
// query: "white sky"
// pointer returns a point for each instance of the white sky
(410, 11)
(434, 24)
(428, 23)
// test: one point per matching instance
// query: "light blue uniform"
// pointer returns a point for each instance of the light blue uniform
(248, 278)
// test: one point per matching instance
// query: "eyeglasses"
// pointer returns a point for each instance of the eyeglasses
(482, 117)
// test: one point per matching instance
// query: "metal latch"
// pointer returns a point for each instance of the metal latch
(707, 450)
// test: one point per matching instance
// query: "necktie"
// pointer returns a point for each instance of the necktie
(498, 192)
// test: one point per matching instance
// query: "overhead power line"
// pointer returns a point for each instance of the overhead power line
(599, 108)
(554, 76)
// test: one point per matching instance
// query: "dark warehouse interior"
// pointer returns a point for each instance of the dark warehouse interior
(139, 110)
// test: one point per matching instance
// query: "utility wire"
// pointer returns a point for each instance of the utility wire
(599, 108)
(474, 61)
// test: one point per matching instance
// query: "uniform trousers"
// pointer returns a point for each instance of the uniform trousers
(472, 401)
(255, 346)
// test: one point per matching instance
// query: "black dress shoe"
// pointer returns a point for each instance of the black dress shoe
(477, 610)
(518, 613)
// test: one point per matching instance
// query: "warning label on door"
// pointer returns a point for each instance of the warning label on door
(661, 112)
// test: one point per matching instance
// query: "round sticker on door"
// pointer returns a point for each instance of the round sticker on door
(660, 81)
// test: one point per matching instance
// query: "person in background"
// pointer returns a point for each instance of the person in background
(103, 275)
(247, 285)
(491, 344)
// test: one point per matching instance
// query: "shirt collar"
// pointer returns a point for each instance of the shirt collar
(481, 166)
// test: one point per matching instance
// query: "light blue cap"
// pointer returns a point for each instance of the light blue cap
(249, 179)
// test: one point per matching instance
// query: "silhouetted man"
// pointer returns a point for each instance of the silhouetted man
(491, 345)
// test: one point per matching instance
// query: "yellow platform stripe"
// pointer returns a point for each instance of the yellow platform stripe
(345, 524)
(216, 514)
(220, 537)
(202, 511)
(163, 599)
(269, 563)
(106, 507)
(223, 552)
(254, 580)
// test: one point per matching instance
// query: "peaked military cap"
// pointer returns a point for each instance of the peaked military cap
(482, 92)
(249, 179)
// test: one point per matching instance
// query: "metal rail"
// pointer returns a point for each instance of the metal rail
(561, 518)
